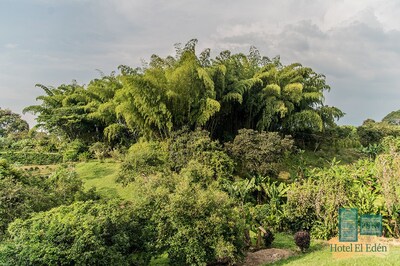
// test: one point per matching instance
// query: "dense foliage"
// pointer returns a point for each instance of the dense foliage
(11, 123)
(191, 152)
(84, 233)
(195, 225)
(259, 153)
(210, 150)
(22, 194)
(32, 157)
(222, 95)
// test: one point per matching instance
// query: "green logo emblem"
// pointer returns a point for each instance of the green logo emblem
(348, 225)
(371, 224)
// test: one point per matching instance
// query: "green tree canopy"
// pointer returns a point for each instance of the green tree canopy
(221, 94)
(11, 123)
(392, 118)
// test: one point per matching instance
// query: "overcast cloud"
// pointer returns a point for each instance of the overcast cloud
(356, 44)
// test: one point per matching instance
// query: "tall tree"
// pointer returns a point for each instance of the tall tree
(11, 123)
(222, 95)
(167, 95)
(81, 112)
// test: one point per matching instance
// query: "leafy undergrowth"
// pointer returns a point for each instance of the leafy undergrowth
(40, 169)
(102, 175)
(296, 164)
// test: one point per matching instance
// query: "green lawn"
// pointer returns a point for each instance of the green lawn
(102, 175)
(319, 254)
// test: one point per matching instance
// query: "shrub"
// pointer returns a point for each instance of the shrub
(32, 157)
(99, 149)
(143, 159)
(302, 240)
(118, 154)
(372, 133)
(64, 183)
(268, 238)
(185, 145)
(22, 194)
(258, 153)
(84, 233)
(19, 195)
(210, 166)
(388, 183)
(72, 150)
(318, 198)
(194, 225)
(84, 156)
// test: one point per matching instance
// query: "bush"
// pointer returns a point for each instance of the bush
(185, 145)
(84, 233)
(268, 238)
(72, 150)
(22, 194)
(372, 133)
(210, 166)
(143, 159)
(318, 198)
(258, 153)
(302, 240)
(118, 154)
(63, 185)
(194, 225)
(99, 149)
(27, 158)
(84, 156)
(19, 195)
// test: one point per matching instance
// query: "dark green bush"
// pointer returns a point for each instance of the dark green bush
(84, 233)
(19, 195)
(372, 132)
(185, 145)
(32, 157)
(302, 240)
(192, 153)
(258, 153)
(268, 238)
(72, 150)
(194, 225)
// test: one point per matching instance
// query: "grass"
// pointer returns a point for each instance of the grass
(284, 241)
(102, 175)
(323, 257)
(320, 254)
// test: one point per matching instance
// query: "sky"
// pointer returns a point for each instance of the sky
(355, 44)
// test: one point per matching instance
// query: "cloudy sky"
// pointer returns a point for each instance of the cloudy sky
(356, 44)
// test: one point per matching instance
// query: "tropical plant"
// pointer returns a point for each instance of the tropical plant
(11, 123)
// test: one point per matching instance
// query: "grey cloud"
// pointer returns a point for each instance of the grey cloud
(354, 43)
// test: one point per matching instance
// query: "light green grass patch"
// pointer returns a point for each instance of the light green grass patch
(320, 255)
(102, 175)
